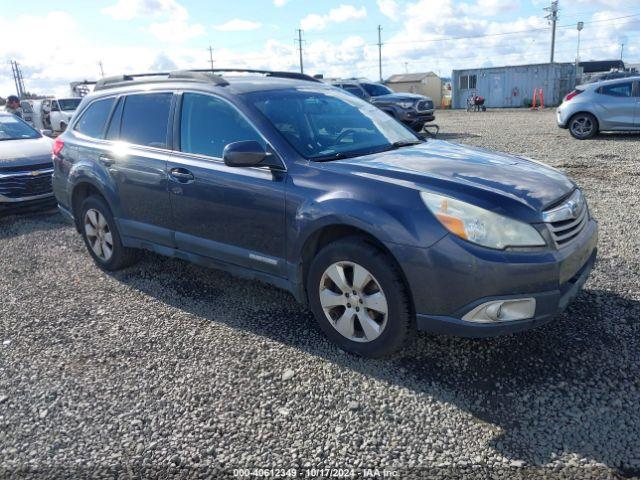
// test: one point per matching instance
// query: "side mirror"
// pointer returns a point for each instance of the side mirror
(248, 153)
(47, 132)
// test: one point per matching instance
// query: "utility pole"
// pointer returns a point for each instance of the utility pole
(553, 18)
(17, 78)
(621, 50)
(300, 50)
(580, 27)
(380, 51)
(101, 68)
(211, 56)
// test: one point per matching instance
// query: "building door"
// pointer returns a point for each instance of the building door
(496, 90)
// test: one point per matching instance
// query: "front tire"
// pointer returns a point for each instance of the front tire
(359, 298)
(583, 126)
(101, 236)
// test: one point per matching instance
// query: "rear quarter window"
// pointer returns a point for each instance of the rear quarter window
(617, 90)
(94, 118)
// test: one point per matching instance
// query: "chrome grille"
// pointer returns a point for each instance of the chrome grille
(25, 184)
(568, 219)
(424, 105)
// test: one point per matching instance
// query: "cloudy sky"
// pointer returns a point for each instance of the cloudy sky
(62, 41)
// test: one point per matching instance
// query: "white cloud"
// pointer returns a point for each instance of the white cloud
(389, 8)
(174, 27)
(175, 31)
(130, 9)
(340, 14)
(50, 62)
(238, 25)
(490, 8)
(280, 3)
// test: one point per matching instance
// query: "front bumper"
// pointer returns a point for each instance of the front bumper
(40, 202)
(451, 278)
(415, 119)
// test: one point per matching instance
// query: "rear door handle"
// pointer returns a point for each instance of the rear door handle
(181, 175)
(106, 160)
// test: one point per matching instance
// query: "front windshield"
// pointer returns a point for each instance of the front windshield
(12, 128)
(375, 89)
(325, 124)
(69, 104)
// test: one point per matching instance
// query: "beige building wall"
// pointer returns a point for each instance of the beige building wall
(430, 87)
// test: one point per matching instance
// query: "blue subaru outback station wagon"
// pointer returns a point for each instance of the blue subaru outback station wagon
(278, 177)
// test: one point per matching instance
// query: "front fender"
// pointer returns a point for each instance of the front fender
(388, 227)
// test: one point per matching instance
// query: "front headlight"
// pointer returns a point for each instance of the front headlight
(479, 225)
(406, 104)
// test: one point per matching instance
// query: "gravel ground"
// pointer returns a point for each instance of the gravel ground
(169, 369)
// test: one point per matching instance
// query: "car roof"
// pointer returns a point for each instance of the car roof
(230, 84)
(612, 81)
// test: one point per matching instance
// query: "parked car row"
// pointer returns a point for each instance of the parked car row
(49, 113)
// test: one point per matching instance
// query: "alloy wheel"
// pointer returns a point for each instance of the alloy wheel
(98, 234)
(582, 126)
(353, 301)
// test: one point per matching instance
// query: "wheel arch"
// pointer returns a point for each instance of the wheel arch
(333, 232)
(82, 190)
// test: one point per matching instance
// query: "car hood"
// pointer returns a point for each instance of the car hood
(21, 153)
(399, 97)
(466, 171)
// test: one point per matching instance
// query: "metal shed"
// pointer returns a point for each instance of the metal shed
(427, 83)
(512, 86)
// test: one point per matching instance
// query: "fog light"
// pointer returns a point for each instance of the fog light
(502, 311)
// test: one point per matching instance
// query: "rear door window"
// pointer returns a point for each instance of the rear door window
(93, 120)
(113, 132)
(208, 124)
(145, 119)
(618, 89)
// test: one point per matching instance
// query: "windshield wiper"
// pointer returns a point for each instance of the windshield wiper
(405, 143)
(338, 156)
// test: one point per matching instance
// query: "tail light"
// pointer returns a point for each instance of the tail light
(57, 146)
(572, 94)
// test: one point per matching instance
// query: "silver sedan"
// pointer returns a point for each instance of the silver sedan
(610, 105)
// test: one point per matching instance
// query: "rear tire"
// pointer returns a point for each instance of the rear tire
(369, 314)
(583, 126)
(101, 236)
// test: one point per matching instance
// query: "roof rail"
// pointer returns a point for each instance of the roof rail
(267, 73)
(197, 75)
(122, 80)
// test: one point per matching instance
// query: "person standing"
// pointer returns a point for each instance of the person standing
(13, 106)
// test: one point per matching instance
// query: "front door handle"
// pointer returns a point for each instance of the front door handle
(106, 160)
(181, 175)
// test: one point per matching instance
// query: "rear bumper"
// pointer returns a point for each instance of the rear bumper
(561, 118)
